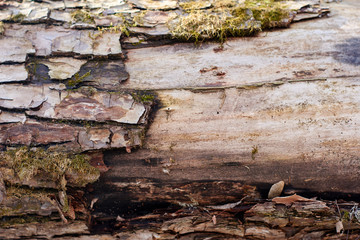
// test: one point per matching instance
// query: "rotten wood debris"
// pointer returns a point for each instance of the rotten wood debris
(290, 217)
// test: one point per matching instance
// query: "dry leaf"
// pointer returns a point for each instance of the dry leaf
(291, 199)
(128, 149)
(339, 227)
(93, 202)
(120, 219)
(214, 219)
(71, 212)
(227, 206)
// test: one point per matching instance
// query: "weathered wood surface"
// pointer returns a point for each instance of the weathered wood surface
(304, 133)
(228, 122)
(286, 109)
(325, 48)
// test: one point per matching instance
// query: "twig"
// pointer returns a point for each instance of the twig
(227, 206)
(337, 206)
(62, 216)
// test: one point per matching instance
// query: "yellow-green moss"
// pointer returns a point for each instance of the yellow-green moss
(6, 222)
(19, 192)
(28, 163)
(220, 4)
(145, 97)
(126, 24)
(82, 16)
(17, 17)
(268, 12)
(20, 198)
(138, 19)
(254, 151)
(194, 5)
(198, 25)
(102, 30)
(227, 18)
(77, 79)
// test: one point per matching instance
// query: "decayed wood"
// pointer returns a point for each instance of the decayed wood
(304, 133)
(292, 217)
(143, 192)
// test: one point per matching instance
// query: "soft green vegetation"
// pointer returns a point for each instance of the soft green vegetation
(138, 19)
(143, 97)
(19, 192)
(123, 28)
(226, 18)
(17, 17)
(77, 79)
(55, 165)
(102, 30)
(194, 5)
(82, 16)
(199, 25)
(268, 12)
(6, 222)
(254, 151)
(126, 24)
(20, 198)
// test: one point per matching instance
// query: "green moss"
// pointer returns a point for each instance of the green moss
(77, 79)
(220, 4)
(6, 222)
(102, 30)
(143, 97)
(126, 24)
(20, 198)
(194, 5)
(17, 17)
(345, 215)
(227, 18)
(198, 25)
(147, 98)
(28, 163)
(254, 151)
(82, 16)
(19, 192)
(138, 19)
(268, 12)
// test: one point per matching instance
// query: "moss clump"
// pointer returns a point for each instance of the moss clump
(127, 22)
(194, 5)
(77, 79)
(198, 25)
(138, 19)
(268, 12)
(17, 17)
(102, 30)
(28, 163)
(82, 16)
(6, 222)
(19, 192)
(220, 4)
(143, 97)
(227, 18)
